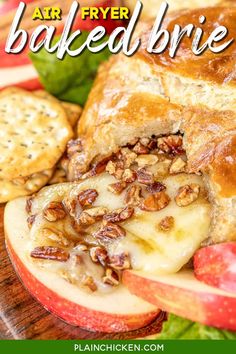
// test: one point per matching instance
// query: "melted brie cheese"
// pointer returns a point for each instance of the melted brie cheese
(151, 250)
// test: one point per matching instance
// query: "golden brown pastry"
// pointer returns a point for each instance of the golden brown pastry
(154, 94)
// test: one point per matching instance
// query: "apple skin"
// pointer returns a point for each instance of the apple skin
(216, 265)
(75, 314)
(209, 306)
(30, 85)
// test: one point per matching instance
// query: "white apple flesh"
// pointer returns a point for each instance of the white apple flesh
(116, 311)
(182, 294)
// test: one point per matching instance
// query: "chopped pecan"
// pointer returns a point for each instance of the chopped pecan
(187, 194)
(156, 187)
(171, 144)
(177, 166)
(140, 149)
(78, 260)
(100, 166)
(144, 176)
(152, 144)
(28, 206)
(51, 253)
(166, 224)
(56, 236)
(146, 160)
(81, 247)
(155, 202)
(90, 216)
(129, 176)
(133, 195)
(120, 262)
(79, 227)
(162, 168)
(117, 188)
(111, 277)
(87, 197)
(85, 219)
(128, 157)
(74, 147)
(31, 220)
(119, 215)
(97, 212)
(110, 232)
(114, 169)
(90, 283)
(99, 254)
(71, 205)
(54, 211)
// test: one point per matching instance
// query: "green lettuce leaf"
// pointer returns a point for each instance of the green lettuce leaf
(69, 79)
(179, 328)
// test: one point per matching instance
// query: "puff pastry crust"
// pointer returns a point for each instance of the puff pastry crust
(154, 94)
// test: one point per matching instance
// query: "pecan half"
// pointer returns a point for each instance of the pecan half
(133, 195)
(187, 194)
(99, 254)
(166, 224)
(155, 202)
(110, 232)
(51, 253)
(117, 188)
(111, 277)
(144, 176)
(119, 215)
(54, 211)
(87, 197)
(156, 187)
(120, 262)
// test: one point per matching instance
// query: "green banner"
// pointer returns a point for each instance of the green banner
(124, 346)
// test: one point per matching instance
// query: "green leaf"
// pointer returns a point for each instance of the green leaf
(69, 79)
(179, 328)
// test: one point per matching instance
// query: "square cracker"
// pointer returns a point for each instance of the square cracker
(33, 133)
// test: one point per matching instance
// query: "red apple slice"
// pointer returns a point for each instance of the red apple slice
(115, 311)
(24, 77)
(183, 295)
(216, 265)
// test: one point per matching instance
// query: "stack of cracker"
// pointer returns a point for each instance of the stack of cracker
(34, 131)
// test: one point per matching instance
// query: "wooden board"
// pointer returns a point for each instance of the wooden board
(22, 317)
